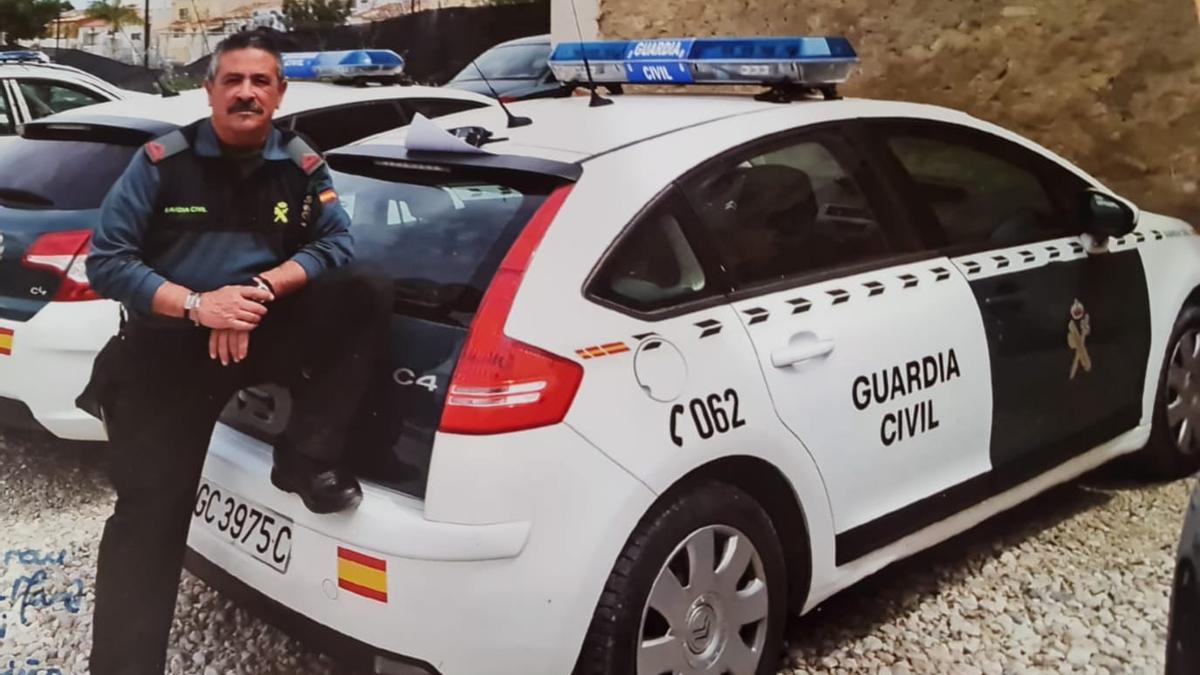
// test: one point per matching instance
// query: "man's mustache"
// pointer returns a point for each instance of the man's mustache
(245, 106)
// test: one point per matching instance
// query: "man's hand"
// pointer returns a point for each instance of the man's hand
(228, 345)
(232, 308)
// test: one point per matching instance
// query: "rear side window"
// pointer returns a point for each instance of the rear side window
(66, 175)
(653, 266)
(440, 237)
(46, 97)
(336, 127)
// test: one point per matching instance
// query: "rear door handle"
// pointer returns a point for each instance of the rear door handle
(802, 347)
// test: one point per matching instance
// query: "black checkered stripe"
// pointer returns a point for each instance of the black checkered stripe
(837, 297)
(841, 296)
(1035, 255)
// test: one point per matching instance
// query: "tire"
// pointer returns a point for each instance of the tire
(699, 636)
(1173, 450)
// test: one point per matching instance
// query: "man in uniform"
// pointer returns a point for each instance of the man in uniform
(225, 243)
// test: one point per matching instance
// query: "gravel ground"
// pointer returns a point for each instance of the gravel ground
(1076, 581)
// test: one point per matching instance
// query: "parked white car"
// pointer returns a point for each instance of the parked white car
(32, 88)
(666, 369)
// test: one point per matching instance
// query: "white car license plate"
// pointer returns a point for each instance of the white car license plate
(251, 528)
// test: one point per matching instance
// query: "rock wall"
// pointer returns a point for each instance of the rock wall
(1113, 85)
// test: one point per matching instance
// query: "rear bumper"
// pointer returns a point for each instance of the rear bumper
(51, 362)
(355, 654)
(499, 589)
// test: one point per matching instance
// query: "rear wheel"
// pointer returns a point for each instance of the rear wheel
(700, 587)
(1174, 446)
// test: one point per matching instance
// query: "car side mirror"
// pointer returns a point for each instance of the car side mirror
(1103, 215)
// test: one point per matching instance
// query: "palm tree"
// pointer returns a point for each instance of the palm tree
(112, 12)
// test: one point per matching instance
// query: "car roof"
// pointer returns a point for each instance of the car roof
(567, 129)
(57, 71)
(192, 105)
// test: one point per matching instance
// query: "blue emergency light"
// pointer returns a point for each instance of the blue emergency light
(807, 61)
(343, 65)
(24, 56)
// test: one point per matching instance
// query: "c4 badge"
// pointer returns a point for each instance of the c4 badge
(281, 212)
(1078, 330)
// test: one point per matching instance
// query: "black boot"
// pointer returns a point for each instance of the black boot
(323, 488)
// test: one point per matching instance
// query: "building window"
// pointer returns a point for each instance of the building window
(183, 14)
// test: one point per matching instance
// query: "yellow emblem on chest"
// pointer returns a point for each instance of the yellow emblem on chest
(281, 212)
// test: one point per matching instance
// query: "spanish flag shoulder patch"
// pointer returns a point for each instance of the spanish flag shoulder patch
(362, 574)
(328, 196)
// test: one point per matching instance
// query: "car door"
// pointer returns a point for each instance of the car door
(1067, 321)
(872, 350)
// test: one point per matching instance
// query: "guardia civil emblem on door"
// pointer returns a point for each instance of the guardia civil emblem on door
(1078, 330)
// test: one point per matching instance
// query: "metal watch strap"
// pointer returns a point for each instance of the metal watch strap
(190, 303)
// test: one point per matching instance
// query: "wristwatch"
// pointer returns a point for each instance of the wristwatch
(191, 302)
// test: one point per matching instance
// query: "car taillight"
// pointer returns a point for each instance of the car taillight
(501, 384)
(509, 99)
(65, 254)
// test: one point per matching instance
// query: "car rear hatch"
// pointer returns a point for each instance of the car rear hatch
(52, 182)
(448, 231)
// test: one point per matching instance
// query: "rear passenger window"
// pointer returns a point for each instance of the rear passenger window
(333, 128)
(653, 266)
(790, 211)
(6, 118)
(981, 191)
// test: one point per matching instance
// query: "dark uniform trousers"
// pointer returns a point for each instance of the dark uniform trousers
(162, 395)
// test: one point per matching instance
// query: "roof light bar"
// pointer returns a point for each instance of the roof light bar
(342, 65)
(810, 61)
(24, 56)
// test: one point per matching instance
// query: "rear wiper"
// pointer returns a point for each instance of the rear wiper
(24, 197)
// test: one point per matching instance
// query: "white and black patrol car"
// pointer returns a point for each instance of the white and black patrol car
(53, 179)
(31, 87)
(667, 369)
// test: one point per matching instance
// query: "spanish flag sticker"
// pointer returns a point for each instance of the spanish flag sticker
(6, 341)
(362, 574)
(328, 196)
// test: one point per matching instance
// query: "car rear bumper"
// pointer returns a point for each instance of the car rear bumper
(509, 595)
(50, 364)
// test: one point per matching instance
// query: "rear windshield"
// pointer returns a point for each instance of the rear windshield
(439, 237)
(64, 175)
(516, 61)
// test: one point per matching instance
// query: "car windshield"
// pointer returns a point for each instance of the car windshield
(59, 174)
(440, 239)
(511, 62)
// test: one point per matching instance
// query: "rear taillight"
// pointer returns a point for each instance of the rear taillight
(509, 99)
(501, 384)
(65, 254)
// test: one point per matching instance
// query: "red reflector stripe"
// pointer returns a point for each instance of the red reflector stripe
(362, 590)
(362, 559)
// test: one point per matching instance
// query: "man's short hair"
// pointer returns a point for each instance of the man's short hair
(259, 38)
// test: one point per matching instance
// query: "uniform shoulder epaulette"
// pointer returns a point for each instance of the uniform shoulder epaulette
(303, 154)
(165, 146)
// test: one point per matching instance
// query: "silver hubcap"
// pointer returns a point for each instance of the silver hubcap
(707, 610)
(1183, 393)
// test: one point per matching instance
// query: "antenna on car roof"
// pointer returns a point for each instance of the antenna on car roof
(513, 120)
(597, 99)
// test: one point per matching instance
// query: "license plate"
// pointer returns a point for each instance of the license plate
(251, 528)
